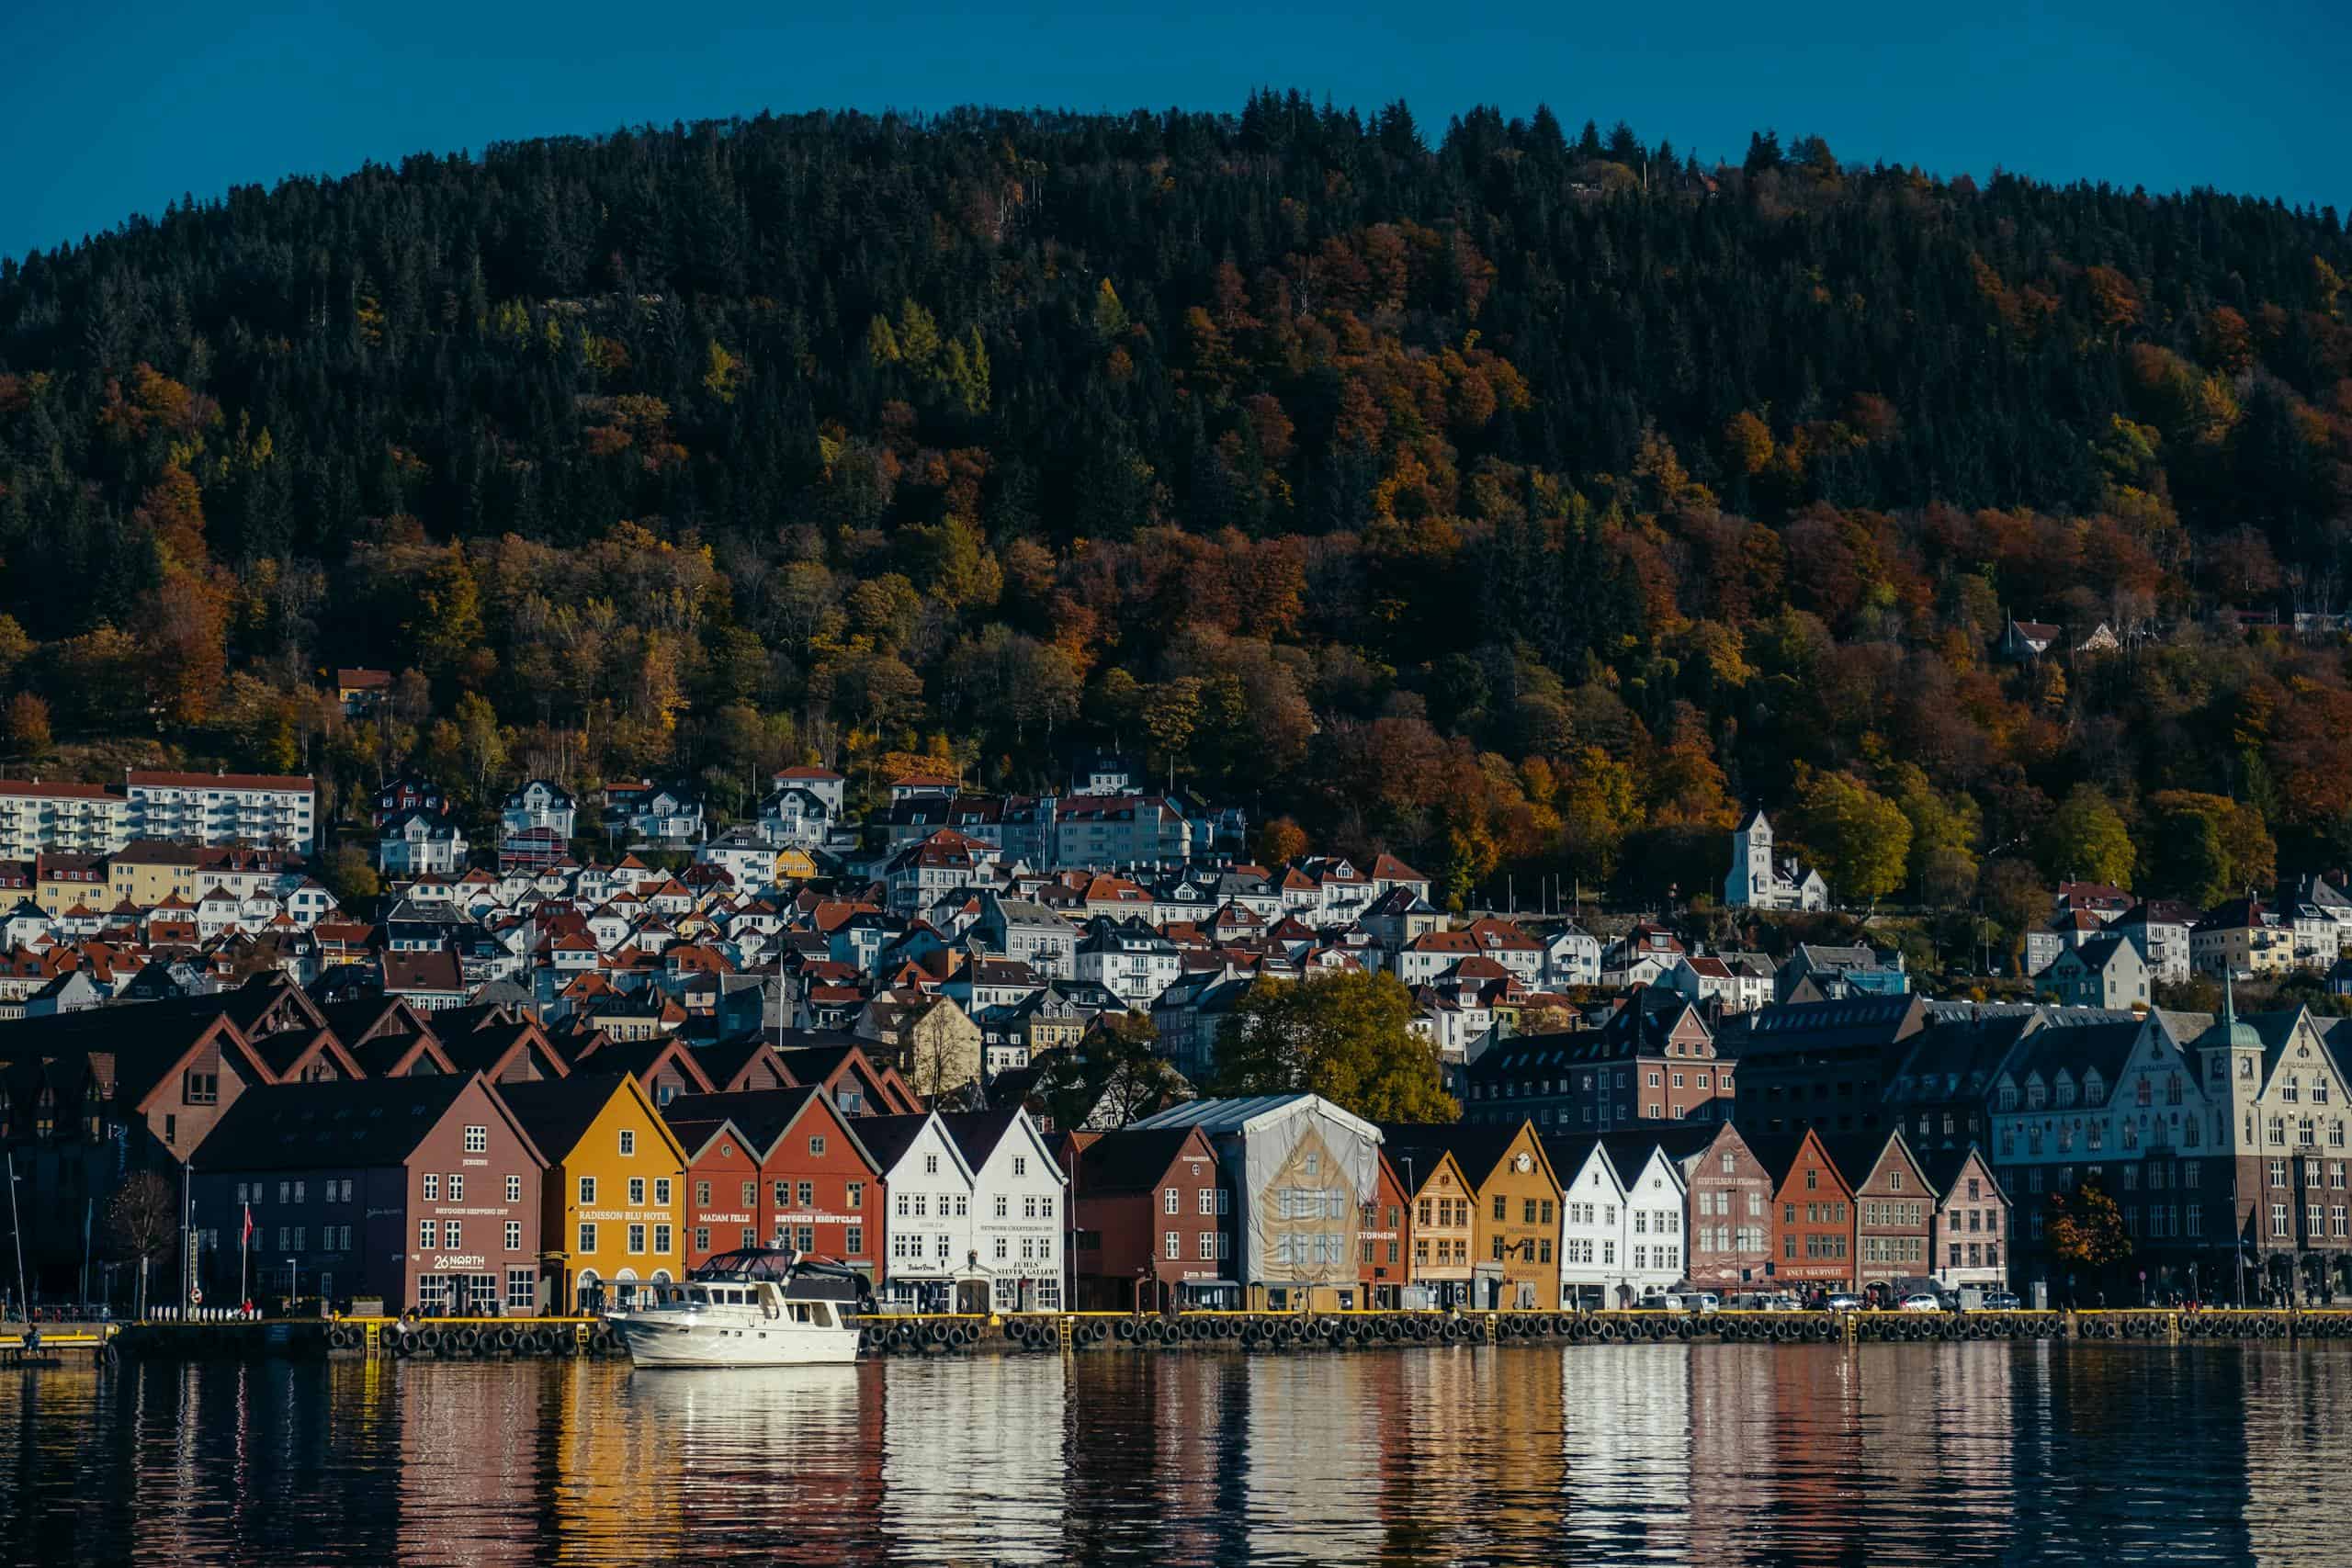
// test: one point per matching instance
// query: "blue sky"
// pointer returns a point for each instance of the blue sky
(117, 106)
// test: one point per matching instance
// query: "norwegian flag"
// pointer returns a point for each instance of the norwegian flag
(246, 1234)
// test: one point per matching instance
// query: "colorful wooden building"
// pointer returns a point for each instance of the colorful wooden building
(782, 1166)
(614, 1199)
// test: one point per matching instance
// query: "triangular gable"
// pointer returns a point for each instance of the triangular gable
(223, 1033)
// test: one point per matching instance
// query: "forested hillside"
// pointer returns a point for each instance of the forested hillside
(1502, 496)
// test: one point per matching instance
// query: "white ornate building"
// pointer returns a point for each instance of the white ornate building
(1760, 880)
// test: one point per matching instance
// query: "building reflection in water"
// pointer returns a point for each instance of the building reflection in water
(973, 1459)
(1626, 1448)
(469, 1460)
(1718, 1455)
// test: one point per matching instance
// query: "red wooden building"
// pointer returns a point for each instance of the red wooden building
(812, 1184)
(1812, 1212)
(1385, 1241)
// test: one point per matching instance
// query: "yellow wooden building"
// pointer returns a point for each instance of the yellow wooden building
(614, 1191)
(1444, 1227)
(1515, 1206)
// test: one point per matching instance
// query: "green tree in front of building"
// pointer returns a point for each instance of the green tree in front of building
(1346, 1035)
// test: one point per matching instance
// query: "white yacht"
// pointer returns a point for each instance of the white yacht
(757, 1307)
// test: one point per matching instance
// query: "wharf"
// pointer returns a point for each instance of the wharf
(1202, 1332)
(51, 1344)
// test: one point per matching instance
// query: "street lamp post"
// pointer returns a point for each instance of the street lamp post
(17, 1234)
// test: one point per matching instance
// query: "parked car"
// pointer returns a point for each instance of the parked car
(2001, 1301)
(1841, 1301)
(1923, 1301)
(1701, 1301)
(1661, 1301)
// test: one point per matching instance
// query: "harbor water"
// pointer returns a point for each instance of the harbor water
(1714, 1454)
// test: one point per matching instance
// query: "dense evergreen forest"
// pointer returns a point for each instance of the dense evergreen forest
(1510, 497)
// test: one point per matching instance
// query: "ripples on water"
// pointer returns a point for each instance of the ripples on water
(1694, 1456)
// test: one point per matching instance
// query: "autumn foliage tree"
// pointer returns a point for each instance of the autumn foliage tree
(1357, 473)
(2085, 1230)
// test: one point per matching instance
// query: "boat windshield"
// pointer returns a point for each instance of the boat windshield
(749, 1263)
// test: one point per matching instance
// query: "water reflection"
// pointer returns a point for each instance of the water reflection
(1730, 1454)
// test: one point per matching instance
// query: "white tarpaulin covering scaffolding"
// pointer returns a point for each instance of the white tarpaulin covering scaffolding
(1299, 1167)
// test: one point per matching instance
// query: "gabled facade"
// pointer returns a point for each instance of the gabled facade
(1148, 1220)
(418, 1193)
(932, 1264)
(1971, 1242)
(1592, 1228)
(1728, 1194)
(777, 1167)
(1017, 1207)
(1813, 1220)
(1300, 1169)
(614, 1193)
(2108, 972)
(1445, 1227)
(1895, 1213)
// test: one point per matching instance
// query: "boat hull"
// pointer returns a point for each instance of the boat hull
(654, 1344)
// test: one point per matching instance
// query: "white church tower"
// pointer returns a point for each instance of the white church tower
(1750, 882)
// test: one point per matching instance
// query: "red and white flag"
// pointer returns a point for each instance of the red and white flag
(247, 1233)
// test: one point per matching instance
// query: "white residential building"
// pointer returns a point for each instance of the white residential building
(1120, 830)
(745, 854)
(1592, 1223)
(1017, 1197)
(1025, 929)
(540, 804)
(1571, 957)
(794, 814)
(417, 845)
(1127, 958)
(1654, 1241)
(223, 809)
(77, 819)
(823, 783)
(926, 1244)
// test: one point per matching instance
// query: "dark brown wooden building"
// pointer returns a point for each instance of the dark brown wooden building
(423, 1191)
(1895, 1210)
(1150, 1223)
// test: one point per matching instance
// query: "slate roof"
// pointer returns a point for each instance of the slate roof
(370, 1123)
(1129, 1160)
(1476, 1146)
(762, 1115)
(557, 1112)
(976, 1134)
(888, 1138)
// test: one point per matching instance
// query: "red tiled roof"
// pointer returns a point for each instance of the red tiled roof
(222, 781)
